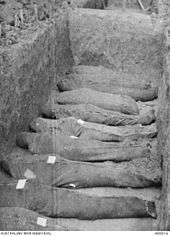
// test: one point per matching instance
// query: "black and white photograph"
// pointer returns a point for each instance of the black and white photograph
(84, 116)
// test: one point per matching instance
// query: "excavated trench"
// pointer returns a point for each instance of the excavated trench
(83, 129)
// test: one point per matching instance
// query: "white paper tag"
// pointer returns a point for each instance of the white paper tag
(73, 137)
(42, 221)
(29, 174)
(80, 122)
(21, 183)
(72, 185)
(51, 159)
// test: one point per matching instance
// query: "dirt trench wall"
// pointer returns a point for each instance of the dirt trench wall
(94, 4)
(28, 68)
(164, 138)
(9, 8)
(27, 72)
(150, 5)
(163, 123)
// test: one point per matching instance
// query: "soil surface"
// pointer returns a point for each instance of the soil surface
(16, 16)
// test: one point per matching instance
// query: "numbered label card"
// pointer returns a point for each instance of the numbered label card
(74, 137)
(21, 183)
(42, 221)
(80, 122)
(51, 159)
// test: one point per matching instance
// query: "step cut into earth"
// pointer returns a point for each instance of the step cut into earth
(124, 41)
